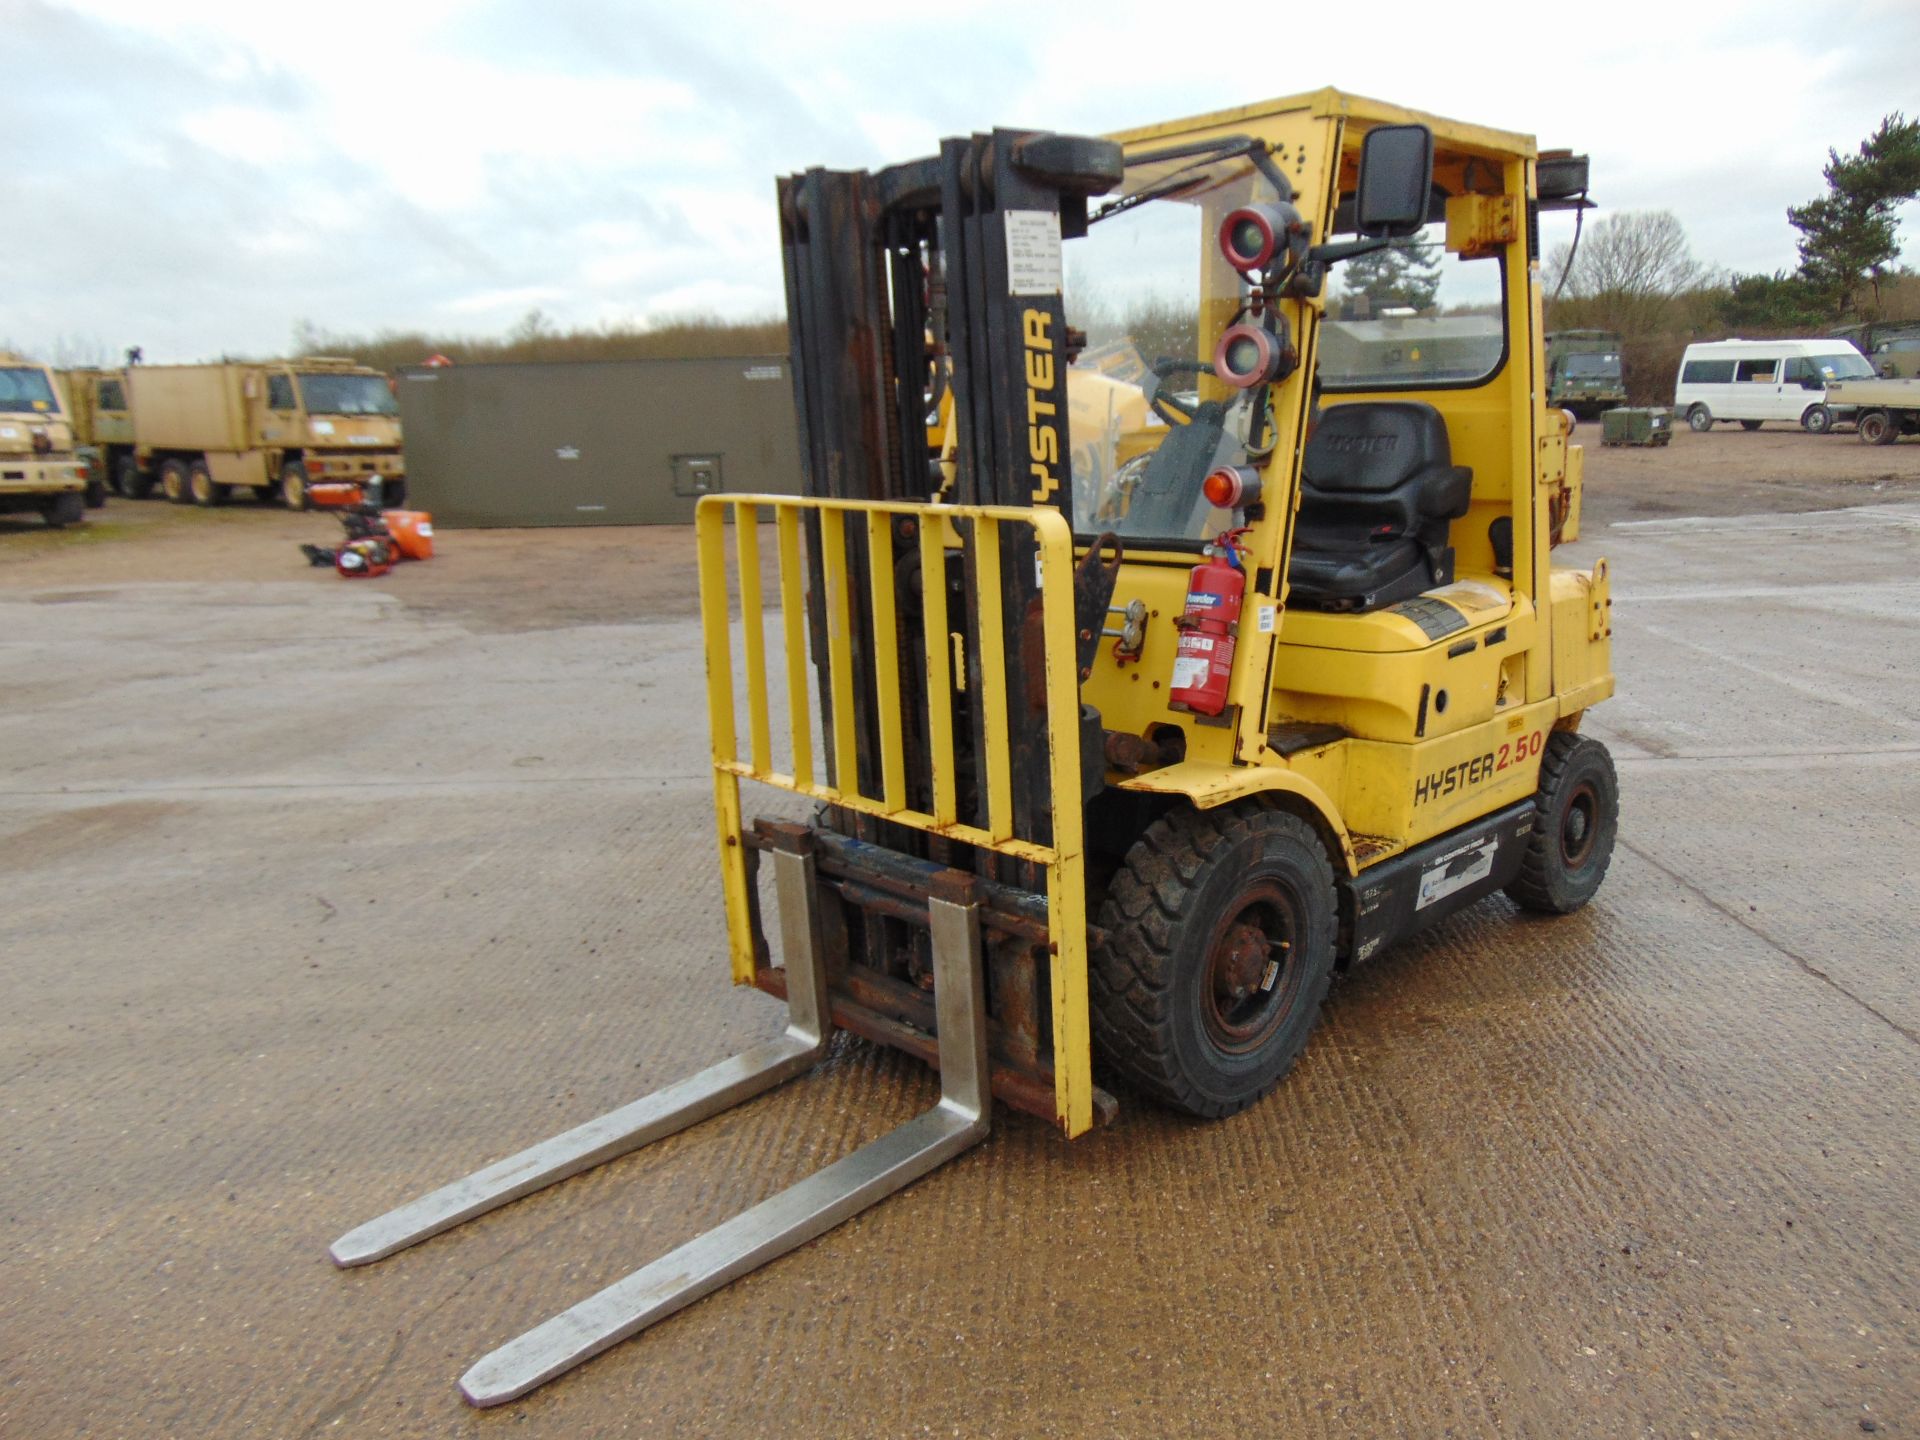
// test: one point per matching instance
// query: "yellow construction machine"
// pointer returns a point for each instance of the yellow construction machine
(1122, 744)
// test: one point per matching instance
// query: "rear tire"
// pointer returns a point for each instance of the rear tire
(176, 482)
(200, 484)
(1817, 421)
(96, 492)
(1700, 418)
(1218, 952)
(1577, 814)
(1749, 424)
(1878, 427)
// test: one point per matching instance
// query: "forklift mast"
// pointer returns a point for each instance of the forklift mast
(939, 272)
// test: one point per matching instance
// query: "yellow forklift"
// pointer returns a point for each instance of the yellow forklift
(1113, 771)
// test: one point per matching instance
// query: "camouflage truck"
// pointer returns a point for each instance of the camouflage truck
(1892, 347)
(38, 469)
(1583, 372)
(96, 403)
(275, 429)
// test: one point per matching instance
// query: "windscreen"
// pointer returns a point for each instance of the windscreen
(347, 395)
(1138, 284)
(1413, 316)
(1846, 365)
(1591, 367)
(24, 390)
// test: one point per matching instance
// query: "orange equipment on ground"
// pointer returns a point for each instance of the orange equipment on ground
(376, 540)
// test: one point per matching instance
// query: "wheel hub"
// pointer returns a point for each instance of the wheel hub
(1578, 826)
(1250, 978)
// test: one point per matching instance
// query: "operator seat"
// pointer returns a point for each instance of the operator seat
(1378, 487)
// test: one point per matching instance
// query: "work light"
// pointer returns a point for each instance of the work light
(1251, 236)
(1249, 355)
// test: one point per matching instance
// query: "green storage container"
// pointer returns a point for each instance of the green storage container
(1628, 426)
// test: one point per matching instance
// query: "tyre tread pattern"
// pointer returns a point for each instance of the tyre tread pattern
(1535, 887)
(1132, 976)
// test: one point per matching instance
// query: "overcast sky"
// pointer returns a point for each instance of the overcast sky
(196, 176)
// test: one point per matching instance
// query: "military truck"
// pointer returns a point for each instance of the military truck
(1883, 409)
(96, 403)
(1583, 371)
(38, 470)
(276, 429)
(1891, 346)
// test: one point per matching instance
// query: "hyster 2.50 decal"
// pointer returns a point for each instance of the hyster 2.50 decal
(1468, 773)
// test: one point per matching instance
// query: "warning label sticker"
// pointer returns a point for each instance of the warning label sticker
(1033, 252)
(1189, 670)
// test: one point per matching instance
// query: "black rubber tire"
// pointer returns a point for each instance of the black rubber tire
(69, 507)
(206, 492)
(293, 486)
(1700, 418)
(1577, 817)
(1749, 424)
(175, 482)
(1878, 427)
(1817, 421)
(130, 480)
(96, 491)
(393, 493)
(1169, 914)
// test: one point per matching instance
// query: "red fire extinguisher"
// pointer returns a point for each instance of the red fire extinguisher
(1204, 660)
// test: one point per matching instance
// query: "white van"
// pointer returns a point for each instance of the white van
(1754, 381)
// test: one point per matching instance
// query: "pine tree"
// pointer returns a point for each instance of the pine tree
(1849, 236)
(1399, 277)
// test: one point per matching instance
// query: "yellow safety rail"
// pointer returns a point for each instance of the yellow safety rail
(980, 531)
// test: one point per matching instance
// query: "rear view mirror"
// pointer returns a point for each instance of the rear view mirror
(1396, 181)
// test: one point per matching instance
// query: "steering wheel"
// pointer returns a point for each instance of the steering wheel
(1168, 406)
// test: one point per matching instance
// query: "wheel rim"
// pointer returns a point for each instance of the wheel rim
(1871, 427)
(1241, 1006)
(294, 487)
(202, 488)
(1580, 826)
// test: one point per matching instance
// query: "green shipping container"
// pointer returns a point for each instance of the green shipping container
(1636, 427)
(614, 442)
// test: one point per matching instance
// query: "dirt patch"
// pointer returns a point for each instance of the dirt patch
(1729, 471)
(72, 833)
(518, 580)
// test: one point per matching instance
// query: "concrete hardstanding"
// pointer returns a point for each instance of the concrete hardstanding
(1644, 1171)
(617, 442)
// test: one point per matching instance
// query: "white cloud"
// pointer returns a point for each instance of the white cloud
(196, 175)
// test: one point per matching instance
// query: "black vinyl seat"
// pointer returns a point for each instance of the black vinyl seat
(1378, 488)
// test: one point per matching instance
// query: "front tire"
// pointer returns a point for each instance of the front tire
(1700, 418)
(1817, 421)
(1878, 427)
(131, 481)
(67, 508)
(293, 486)
(1218, 952)
(1577, 814)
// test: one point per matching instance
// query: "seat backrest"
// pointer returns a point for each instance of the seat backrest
(1380, 466)
(1371, 447)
